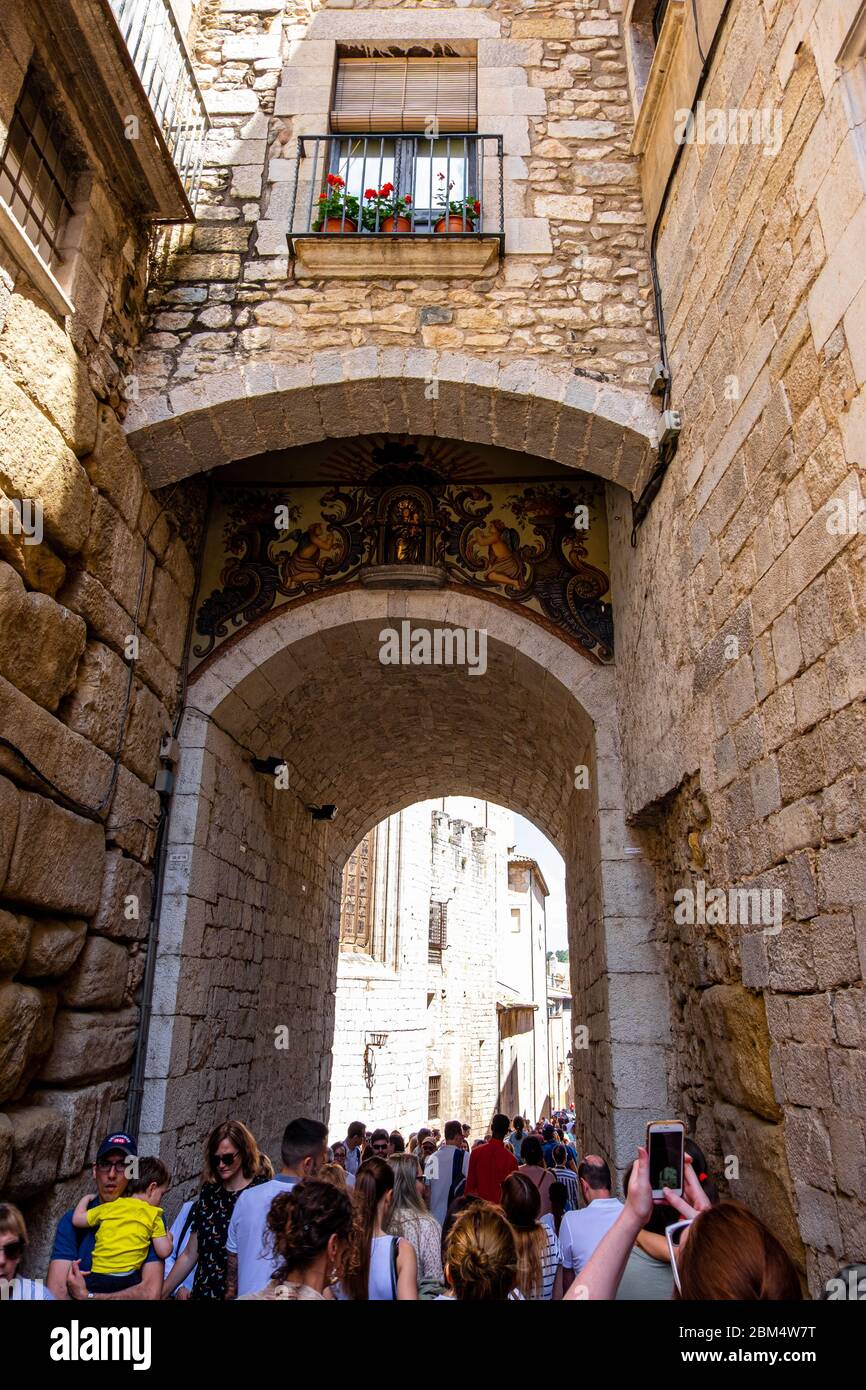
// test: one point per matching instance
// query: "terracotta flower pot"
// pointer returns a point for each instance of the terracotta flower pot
(395, 224)
(454, 224)
(335, 224)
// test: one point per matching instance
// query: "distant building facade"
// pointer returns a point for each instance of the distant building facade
(441, 1008)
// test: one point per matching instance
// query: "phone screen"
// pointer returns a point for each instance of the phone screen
(666, 1158)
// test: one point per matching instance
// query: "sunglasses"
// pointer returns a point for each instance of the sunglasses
(674, 1236)
(12, 1249)
(225, 1160)
(381, 1147)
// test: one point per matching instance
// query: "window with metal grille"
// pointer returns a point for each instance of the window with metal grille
(434, 1096)
(658, 17)
(430, 97)
(37, 168)
(437, 937)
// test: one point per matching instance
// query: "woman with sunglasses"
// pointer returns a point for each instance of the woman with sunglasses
(13, 1243)
(232, 1164)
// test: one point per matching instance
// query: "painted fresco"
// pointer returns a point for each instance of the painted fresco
(404, 504)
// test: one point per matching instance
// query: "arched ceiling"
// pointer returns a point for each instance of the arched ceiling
(373, 738)
(261, 407)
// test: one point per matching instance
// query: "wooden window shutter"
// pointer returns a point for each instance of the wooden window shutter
(375, 95)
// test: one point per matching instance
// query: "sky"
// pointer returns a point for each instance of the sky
(532, 843)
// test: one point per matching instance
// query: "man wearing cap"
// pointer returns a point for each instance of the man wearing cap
(73, 1249)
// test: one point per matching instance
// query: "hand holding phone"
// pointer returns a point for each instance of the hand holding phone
(665, 1144)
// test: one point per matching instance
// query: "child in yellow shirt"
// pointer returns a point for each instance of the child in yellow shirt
(126, 1228)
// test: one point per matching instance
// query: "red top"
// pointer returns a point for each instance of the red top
(489, 1166)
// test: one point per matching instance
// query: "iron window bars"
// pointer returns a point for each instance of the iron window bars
(37, 168)
(421, 167)
(158, 52)
(437, 932)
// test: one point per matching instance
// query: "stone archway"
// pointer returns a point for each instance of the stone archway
(249, 925)
(221, 417)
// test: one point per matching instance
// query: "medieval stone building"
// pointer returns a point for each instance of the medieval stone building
(604, 428)
(441, 1008)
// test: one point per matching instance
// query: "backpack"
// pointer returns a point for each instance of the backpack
(458, 1178)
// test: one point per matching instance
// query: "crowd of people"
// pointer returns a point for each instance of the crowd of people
(517, 1214)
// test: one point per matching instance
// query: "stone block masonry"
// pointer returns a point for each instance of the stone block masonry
(76, 842)
(573, 290)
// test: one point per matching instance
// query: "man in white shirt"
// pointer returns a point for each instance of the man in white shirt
(251, 1261)
(582, 1230)
(355, 1145)
(445, 1171)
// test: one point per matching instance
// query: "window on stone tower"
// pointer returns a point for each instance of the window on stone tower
(434, 1096)
(431, 103)
(356, 902)
(515, 919)
(437, 937)
(37, 168)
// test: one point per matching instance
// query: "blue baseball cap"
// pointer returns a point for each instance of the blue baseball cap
(124, 1142)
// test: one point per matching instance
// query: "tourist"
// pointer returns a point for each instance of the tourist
(533, 1167)
(309, 1228)
(409, 1217)
(481, 1256)
(427, 1149)
(378, 1267)
(339, 1155)
(13, 1243)
(720, 1252)
(446, 1170)
(582, 1230)
(379, 1145)
(412, 1145)
(126, 1228)
(72, 1250)
(422, 1135)
(515, 1138)
(396, 1144)
(648, 1276)
(335, 1175)
(723, 1252)
(539, 1272)
(180, 1232)
(232, 1163)
(558, 1195)
(567, 1176)
(249, 1265)
(355, 1136)
(467, 1132)
(490, 1163)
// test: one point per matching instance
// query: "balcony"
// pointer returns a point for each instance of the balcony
(416, 206)
(139, 95)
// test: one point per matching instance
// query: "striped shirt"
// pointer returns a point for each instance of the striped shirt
(551, 1259)
(569, 1179)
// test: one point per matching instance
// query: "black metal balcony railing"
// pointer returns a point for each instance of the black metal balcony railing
(427, 172)
(158, 52)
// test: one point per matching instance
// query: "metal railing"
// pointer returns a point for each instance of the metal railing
(159, 55)
(334, 174)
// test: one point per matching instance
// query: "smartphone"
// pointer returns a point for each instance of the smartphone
(665, 1144)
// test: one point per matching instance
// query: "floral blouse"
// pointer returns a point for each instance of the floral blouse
(210, 1221)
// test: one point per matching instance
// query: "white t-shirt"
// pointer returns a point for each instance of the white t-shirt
(21, 1290)
(438, 1172)
(248, 1229)
(581, 1231)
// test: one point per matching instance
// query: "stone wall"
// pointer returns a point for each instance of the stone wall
(243, 1007)
(79, 812)
(741, 630)
(573, 290)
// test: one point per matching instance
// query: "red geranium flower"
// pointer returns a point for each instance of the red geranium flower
(335, 181)
(369, 192)
(386, 189)
(477, 206)
(407, 200)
